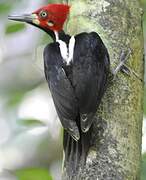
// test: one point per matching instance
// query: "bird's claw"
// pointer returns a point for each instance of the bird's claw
(121, 66)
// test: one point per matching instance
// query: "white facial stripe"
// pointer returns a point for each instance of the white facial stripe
(50, 24)
(56, 35)
(34, 16)
(36, 21)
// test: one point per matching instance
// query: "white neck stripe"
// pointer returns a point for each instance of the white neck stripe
(71, 49)
(56, 35)
(66, 53)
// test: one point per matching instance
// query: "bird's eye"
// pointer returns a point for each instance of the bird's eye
(43, 14)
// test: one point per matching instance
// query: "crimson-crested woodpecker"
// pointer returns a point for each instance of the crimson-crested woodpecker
(76, 69)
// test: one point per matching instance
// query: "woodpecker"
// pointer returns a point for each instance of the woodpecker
(76, 69)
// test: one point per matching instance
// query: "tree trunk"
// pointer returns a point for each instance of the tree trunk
(115, 153)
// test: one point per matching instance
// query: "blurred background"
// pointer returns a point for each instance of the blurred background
(30, 132)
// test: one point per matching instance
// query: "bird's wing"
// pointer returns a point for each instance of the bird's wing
(91, 67)
(61, 90)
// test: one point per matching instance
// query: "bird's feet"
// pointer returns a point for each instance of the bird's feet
(122, 66)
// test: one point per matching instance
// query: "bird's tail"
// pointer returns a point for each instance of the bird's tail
(76, 151)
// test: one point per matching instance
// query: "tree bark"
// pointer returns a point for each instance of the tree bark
(115, 153)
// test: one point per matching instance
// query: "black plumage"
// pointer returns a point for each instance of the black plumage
(77, 90)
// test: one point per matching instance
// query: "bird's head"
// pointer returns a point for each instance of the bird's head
(51, 17)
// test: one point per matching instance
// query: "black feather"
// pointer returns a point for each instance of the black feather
(77, 90)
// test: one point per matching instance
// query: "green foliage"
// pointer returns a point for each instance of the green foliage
(33, 174)
(15, 27)
(4, 8)
(46, 39)
(30, 122)
(14, 100)
(143, 174)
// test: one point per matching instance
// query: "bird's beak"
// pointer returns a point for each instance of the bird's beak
(28, 18)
